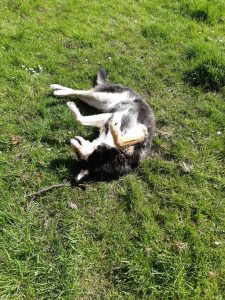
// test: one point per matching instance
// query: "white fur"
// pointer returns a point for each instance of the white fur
(95, 120)
(83, 173)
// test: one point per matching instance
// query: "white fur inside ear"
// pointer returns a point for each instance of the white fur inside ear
(81, 175)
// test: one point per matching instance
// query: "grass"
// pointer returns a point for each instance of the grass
(155, 234)
(209, 67)
(204, 11)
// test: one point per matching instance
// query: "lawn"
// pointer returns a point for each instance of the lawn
(157, 233)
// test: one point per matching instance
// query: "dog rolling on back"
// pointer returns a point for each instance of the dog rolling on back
(126, 127)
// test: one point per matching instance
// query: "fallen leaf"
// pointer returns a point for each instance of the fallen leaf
(212, 274)
(181, 245)
(72, 205)
(16, 139)
(217, 243)
(187, 168)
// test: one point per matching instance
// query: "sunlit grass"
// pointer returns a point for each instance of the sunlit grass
(155, 234)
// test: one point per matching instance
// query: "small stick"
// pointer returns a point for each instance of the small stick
(55, 186)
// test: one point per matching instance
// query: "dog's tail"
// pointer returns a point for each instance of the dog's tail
(101, 76)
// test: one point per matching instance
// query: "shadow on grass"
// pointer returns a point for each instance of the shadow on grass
(68, 168)
(56, 101)
(65, 169)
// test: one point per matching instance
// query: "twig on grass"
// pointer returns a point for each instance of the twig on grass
(54, 186)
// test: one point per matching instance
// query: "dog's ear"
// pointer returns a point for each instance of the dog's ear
(101, 76)
(82, 175)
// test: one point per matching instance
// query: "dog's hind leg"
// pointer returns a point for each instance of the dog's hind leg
(94, 120)
(101, 100)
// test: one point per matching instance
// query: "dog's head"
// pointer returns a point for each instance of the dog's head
(108, 163)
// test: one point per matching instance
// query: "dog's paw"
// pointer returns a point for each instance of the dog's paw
(56, 87)
(60, 90)
(75, 111)
(81, 175)
(71, 105)
(75, 144)
(73, 108)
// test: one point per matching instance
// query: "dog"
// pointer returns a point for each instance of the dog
(126, 125)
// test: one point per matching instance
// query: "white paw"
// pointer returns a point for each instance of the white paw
(56, 87)
(75, 111)
(81, 175)
(71, 105)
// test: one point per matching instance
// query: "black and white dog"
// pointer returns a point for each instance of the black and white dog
(126, 128)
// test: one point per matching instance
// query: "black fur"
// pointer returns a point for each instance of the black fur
(108, 162)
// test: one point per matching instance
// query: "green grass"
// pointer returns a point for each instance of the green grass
(203, 10)
(155, 234)
(209, 67)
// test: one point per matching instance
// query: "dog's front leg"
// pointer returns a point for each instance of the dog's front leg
(95, 120)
